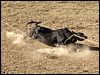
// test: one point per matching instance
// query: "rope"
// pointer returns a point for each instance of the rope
(82, 38)
(71, 37)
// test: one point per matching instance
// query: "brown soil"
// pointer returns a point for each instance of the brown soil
(28, 56)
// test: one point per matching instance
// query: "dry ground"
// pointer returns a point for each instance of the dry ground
(24, 57)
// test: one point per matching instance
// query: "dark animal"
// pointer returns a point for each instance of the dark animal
(55, 37)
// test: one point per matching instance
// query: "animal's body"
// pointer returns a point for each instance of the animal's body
(53, 37)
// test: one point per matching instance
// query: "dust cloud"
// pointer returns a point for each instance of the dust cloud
(71, 50)
(16, 38)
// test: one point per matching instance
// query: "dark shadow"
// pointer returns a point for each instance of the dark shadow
(93, 48)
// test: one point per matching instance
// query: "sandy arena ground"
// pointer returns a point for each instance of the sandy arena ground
(29, 56)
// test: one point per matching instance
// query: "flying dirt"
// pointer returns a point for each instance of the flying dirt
(72, 50)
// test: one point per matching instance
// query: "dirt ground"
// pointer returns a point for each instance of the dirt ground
(19, 55)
